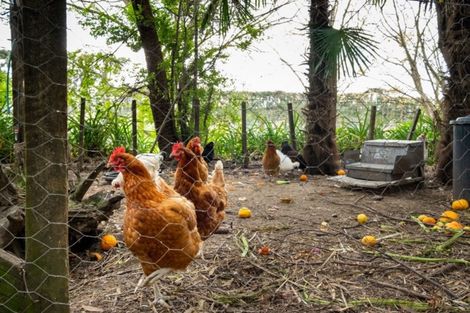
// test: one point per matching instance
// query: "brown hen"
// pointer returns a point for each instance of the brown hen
(271, 160)
(195, 146)
(160, 226)
(210, 199)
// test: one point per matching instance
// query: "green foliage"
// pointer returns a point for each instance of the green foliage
(353, 131)
(117, 23)
(266, 119)
(425, 126)
(7, 138)
(6, 121)
(346, 51)
(99, 78)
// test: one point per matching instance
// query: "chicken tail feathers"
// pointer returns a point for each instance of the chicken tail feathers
(219, 165)
(218, 174)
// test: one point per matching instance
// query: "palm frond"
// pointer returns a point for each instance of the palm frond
(345, 51)
(229, 10)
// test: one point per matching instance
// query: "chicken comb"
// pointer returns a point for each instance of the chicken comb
(178, 145)
(117, 150)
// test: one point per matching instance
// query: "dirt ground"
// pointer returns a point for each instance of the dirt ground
(311, 267)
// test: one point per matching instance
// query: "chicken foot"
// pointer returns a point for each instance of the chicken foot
(152, 278)
(159, 298)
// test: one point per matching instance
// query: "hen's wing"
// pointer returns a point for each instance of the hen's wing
(161, 234)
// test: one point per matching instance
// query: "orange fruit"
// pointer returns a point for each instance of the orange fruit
(454, 226)
(108, 242)
(369, 241)
(244, 212)
(422, 217)
(429, 220)
(303, 177)
(362, 218)
(341, 172)
(264, 250)
(450, 215)
(460, 204)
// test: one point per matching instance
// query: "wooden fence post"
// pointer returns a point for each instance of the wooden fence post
(244, 137)
(413, 126)
(134, 127)
(373, 114)
(290, 112)
(46, 196)
(81, 134)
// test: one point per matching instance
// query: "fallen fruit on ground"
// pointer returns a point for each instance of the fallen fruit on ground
(108, 242)
(429, 220)
(422, 217)
(303, 177)
(369, 241)
(362, 218)
(244, 212)
(454, 226)
(96, 256)
(450, 215)
(341, 172)
(264, 250)
(460, 204)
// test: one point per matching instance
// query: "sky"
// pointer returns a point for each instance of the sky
(264, 67)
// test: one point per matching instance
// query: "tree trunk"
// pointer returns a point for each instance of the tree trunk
(182, 100)
(45, 70)
(157, 81)
(320, 151)
(454, 42)
(17, 84)
(196, 103)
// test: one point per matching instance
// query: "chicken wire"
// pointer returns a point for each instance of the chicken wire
(233, 274)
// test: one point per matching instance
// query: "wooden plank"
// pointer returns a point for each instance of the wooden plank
(244, 137)
(12, 294)
(373, 114)
(415, 122)
(346, 181)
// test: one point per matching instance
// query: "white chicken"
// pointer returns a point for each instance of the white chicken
(152, 163)
(286, 163)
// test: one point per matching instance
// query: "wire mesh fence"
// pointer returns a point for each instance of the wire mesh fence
(221, 222)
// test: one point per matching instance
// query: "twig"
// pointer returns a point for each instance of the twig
(422, 259)
(80, 192)
(326, 261)
(404, 290)
(276, 275)
(421, 224)
(449, 242)
(446, 290)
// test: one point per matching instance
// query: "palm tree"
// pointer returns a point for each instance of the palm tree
(332, 52)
